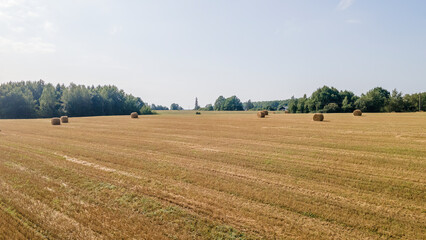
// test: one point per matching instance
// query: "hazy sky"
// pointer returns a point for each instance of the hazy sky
(174, 51)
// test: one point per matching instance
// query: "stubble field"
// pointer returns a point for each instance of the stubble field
(178, 175)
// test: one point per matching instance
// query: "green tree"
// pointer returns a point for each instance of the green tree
(323, 96)
(208, 107)
(233, 104)
(219, 103)
(302, 105)
(396, 102)
(292, 105)
(248, 105)
(411, 102)
(348, 101)
(17, 102)
(49, 104)
(331, 108)
(374, 100)
(196, 104)
(112, 100)
(146, 110)
(36, 89)
(175, 106)
(158, 107)
(269, 105)
(131, 104)
(347, 105)
(77, 100)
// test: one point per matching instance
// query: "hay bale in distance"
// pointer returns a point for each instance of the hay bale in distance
(55, 121)
(64, 119)
(197, 113)
(261, 114)
(286, 111)
(318, 117)
(357, 112)
(134, 115)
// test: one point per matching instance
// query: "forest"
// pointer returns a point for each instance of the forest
(329, 100)
(37, 99)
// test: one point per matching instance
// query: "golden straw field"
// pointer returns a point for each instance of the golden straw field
(217, 175)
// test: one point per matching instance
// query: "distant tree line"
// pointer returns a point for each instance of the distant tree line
(208, 107)
(38, 99)
(158, 107)
(175, 106)
(222, 104)
(233, 103)
(228, 104)
(275, 105)
(330, 100)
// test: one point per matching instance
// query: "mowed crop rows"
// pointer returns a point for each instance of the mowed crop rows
(214, 176)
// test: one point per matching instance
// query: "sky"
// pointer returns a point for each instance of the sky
(173, 51)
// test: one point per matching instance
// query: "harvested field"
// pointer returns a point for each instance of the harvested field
(214, 176)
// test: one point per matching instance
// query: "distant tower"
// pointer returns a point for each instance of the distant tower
(196, 104)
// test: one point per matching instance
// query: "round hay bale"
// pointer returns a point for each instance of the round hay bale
(134, 115)
(197, 113)
(64, 119)
(266, 112)
(318, 117)
(261, 114)
(286, 111)
(55, 121)
(357, 112)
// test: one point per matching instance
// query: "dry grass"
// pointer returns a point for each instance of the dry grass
(219, 176)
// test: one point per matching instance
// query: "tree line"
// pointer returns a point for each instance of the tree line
(329, 100)
(233, 103)
(38, 99)
(276, 105)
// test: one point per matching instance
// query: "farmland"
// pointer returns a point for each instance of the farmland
(217, 175)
